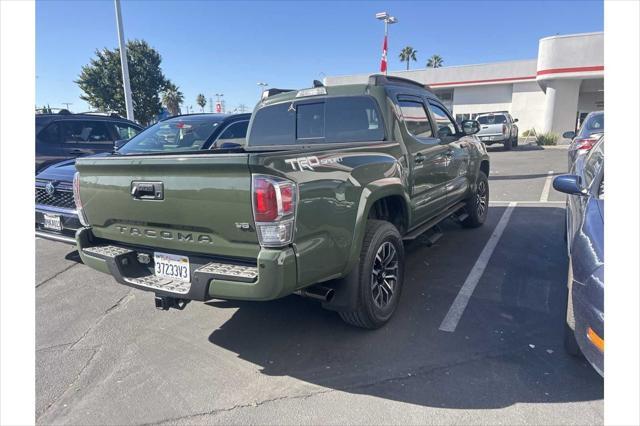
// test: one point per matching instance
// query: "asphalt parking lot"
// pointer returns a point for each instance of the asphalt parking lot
(491, 353)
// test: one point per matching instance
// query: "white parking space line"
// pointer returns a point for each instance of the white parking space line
(504, 203)
(547, 186)
(450, 321)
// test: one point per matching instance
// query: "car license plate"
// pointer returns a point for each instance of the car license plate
(52, 221)
(171, 266)
(485, 138)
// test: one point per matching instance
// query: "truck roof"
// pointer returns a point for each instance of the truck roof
(281, 95)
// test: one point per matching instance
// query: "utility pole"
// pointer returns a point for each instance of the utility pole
(210, 104)
(123, 61)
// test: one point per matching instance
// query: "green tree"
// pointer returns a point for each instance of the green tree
(407, 55)
(101, 81)
(172, 97)
(202, 101)
(435, 61)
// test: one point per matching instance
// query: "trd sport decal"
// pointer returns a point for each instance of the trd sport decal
(302, 163)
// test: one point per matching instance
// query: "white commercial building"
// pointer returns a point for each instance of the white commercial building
(551, 93)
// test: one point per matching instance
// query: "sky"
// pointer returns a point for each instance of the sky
(228, 47)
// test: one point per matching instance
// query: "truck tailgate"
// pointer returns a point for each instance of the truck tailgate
(204, 205)
(490, 129)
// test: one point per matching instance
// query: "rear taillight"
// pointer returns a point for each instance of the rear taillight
(76, 199)
(504, 129)
(585, 143)
(274, 209)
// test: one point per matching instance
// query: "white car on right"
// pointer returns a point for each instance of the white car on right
(498, 127)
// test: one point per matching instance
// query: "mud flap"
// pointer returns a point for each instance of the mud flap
(346, 292)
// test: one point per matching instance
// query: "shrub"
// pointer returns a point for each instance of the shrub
(548, 139)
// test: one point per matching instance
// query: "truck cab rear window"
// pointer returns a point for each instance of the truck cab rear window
(307, 121)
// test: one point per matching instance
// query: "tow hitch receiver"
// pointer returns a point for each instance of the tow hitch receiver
(165, 303)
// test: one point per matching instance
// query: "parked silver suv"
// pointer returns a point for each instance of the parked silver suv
(498, 127)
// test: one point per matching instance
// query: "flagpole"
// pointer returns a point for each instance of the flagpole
(386, 41)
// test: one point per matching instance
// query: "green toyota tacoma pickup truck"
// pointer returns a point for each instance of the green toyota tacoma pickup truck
(316, 202)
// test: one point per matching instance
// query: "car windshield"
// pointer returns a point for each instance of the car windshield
(593, 124)
(186, 133)
(492, 119)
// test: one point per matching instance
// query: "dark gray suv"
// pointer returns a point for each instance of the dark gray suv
(65, 135)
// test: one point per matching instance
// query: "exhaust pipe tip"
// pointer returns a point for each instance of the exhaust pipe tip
(329, 295)
(323, 294)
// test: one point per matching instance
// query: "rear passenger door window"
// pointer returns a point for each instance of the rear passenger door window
(50, 134)
(447, 130)
(85, 132)
(234, 133)
(125, 131)
(416, 118)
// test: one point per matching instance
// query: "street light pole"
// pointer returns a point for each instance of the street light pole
(123, 61)
(388, 19)
(263, 87)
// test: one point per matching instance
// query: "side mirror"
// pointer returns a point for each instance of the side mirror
(569, 135)
(569, 184)
(515, 120)
(470, 127)
(119, 144)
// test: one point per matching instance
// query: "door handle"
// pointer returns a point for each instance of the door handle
(77, 151)
(419, 158)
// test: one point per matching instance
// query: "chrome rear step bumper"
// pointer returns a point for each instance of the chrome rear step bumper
(125, 267)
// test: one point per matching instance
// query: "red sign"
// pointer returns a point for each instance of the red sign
(218, 107)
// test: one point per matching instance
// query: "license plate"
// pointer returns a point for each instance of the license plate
(52, 221)
(485, 138)
(171, 266)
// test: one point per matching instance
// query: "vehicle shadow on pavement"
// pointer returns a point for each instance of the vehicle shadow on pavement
(507, 348)
(519, 177)
(527, 147)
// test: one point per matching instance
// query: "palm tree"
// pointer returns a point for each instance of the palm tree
(201, 100)
(172, 97)
(435, 61)
(407, 55)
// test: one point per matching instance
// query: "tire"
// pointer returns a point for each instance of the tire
(570, 344)
(507, 144)
(375, 304)
(478, 204)
(515, 141)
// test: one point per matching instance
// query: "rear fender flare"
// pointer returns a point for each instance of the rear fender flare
(371, 193)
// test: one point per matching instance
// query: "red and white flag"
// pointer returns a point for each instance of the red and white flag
(383, 62)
